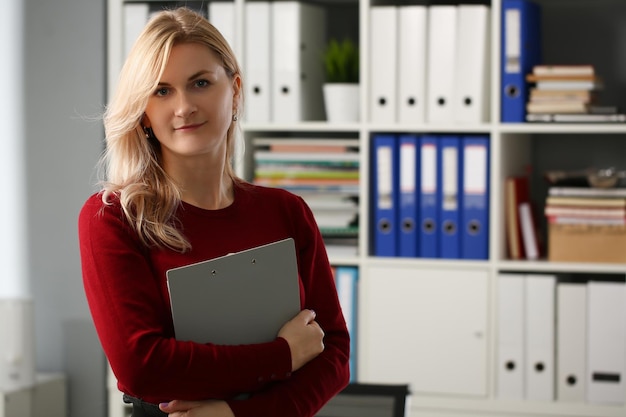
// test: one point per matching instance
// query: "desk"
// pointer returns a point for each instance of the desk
(47, 398)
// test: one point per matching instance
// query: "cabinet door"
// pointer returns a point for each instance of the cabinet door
(425, 327)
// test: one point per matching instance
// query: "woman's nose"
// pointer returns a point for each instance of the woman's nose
(184, 106)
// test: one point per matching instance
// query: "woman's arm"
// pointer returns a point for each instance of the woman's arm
(129, 306)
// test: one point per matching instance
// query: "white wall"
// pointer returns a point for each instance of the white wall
(63, 86)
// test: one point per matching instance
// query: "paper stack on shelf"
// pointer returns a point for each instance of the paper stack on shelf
(568, 93)
(586, 226)
(323, 171)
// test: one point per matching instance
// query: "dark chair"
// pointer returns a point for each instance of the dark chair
(368, 400)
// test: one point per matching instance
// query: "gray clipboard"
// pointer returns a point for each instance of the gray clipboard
(240, 298)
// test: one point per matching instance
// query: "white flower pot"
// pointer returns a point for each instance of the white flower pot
(342, 102)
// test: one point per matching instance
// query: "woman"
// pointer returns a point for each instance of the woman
(171, 198)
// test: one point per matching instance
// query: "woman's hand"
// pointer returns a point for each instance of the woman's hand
(209, 408)
(305, 338)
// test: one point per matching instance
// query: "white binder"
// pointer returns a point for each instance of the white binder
(136, 16)
(472, 69)
(298, 41)
(383, 61)
(441, 62)
(571, 342)
(607, 342)
(257, 61)
(540, 333)
(510, 338)
(222, 16)
(411, 90)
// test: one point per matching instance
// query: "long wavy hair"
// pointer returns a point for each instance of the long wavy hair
(131, 163)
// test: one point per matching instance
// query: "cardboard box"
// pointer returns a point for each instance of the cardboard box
(586, 243)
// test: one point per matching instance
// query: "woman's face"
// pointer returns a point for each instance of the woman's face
(193, 106)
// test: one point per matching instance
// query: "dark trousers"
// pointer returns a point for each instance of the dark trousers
(142, 408)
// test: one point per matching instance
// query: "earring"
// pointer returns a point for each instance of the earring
(149, 132)
(235, 118)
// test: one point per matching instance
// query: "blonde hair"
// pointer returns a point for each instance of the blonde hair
(131, 163)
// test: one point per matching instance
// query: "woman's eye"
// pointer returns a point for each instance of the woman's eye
(161, 91)
(201, 83)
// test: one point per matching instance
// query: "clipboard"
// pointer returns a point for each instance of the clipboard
(240, 298)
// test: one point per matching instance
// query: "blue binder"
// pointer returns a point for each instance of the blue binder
(475, 198)
(450, 169)
(346, 280)
(428, 198)
(385, 194)
(520, 51)
(407, 207)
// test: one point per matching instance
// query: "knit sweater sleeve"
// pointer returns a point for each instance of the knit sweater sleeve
(313, 385)
(133, 321)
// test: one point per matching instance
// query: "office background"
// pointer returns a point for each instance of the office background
(53, 75)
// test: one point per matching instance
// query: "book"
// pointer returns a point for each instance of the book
(589, 212)
(584, 96)
(586, 201)
(529, 231)
(569, 85)
(575, 118)
(516, 192)
(581, 69)
(586, 192)
(564, 106)
(533, 78)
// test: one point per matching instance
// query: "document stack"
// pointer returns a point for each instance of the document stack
(561, 339)
(323, 171)
(567, 93)
(430, 196)
(586, 225)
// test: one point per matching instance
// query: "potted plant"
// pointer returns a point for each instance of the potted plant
(341, 89)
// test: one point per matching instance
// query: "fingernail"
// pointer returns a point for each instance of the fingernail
(164, 404)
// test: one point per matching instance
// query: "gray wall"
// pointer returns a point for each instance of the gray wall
(64, 92)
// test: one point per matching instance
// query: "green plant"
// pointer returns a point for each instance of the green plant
(341, 61)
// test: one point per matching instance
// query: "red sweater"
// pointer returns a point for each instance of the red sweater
(127, 294)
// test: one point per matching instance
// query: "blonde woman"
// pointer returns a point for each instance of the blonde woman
(170, 198)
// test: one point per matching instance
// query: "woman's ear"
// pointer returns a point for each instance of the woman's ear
(236, 88)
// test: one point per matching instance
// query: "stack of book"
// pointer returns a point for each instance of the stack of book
(323, 171)
(567, 93)
(586, 224)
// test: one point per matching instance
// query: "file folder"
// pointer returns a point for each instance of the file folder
(408, 209)
(346, 280)
(472, 69)
(222, 16)
(539, 311)
(571, 342)
(298, 41)
(383, 60)
(257, 61)
(441, 63)
(449, 165)
(510, 338)
(428, 198)
(411, 94)
(475, 198)
(607, 343)
(240, 298)
(385, 194)
(521, 50)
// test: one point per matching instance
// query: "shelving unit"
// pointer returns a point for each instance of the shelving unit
(433, 322)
